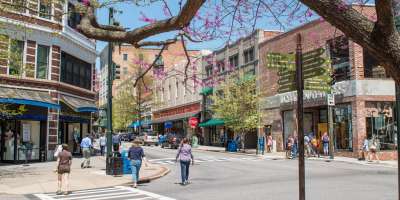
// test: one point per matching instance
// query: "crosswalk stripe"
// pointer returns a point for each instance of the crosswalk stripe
(110, 193)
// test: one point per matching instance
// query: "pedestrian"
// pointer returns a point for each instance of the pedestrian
(325, 143)
(314, 145)
(269, 143)
(307, 145)
(64, 162)
(185, 156)
(373, 147)
(116, 140)
(136, 156)
(364, 149)
(294, 146)
(103, 143)
(86, 146)
(289, 144)
(238, 142)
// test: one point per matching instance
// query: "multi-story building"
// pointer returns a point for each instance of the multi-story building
(176, 96)
(240, 58)
(48, 67)
(133, 61)
(364, 93)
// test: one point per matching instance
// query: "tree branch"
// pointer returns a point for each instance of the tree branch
(385, 16)
(92, 29)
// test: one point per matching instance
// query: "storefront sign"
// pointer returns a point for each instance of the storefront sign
(168, 124)
(193, 122)
(26, 132)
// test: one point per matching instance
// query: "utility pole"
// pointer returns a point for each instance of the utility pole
(300, 129)
(139, 96)
(109, 96)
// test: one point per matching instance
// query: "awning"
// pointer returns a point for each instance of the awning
(174, 117)
(212, 122)
(134, 124)
(79, 105)
(206, 91)
(26, 97)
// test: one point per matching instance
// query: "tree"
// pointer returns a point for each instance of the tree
(125, 107)
(236, 102)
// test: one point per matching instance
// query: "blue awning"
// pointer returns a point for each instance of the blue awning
(27, 97)
(79, 105)
(134, 124)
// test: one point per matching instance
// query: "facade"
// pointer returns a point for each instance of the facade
(240, 58)
(364, 93)
(175, 100)
(47, 67)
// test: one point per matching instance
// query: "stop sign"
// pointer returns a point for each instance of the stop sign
(193, 121)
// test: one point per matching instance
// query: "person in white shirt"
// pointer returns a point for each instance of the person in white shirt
(103, 143)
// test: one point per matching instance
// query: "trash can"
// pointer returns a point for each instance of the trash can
(232, 147)
(126, 163)
(115, 166)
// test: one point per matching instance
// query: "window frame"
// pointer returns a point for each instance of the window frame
(49, 14)
(47, 63)
(10, 40)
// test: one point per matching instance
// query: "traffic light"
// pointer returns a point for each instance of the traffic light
(116, 72)
(333, 78)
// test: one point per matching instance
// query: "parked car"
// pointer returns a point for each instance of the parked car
(172, 141)
(149, 138)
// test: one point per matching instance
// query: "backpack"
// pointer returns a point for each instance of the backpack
(314, 142)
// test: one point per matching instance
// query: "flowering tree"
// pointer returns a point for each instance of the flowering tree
(236, 102)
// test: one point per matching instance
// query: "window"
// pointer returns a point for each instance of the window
(159, 65)
(19, 5)
(248, 55)
(221, 66)
(372, 69)
(75, 71)
(124, 70)
(177, 89)
(339, 53)
(42, 62)
(74, 18)
(209, 70)
(380, 124)
(169, 92)
(45, 9)
(234, 61)
(162, 94)
(16, 57)
(125, 56)
(343, 127)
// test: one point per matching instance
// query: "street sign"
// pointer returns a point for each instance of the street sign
(331, 99)
(193, 121)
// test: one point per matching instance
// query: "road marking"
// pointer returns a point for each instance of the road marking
(168, 161)
(109, 193)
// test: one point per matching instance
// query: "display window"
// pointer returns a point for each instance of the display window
(343, 133)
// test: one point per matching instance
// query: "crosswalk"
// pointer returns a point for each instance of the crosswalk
(170, 161)
(108, 193)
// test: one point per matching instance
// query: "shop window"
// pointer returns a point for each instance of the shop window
(75, 71)
(343, 127)
(45, 9)
(380, 124)
(248, 55)
(42, 61)
(339, 54)
(16, 57)
(234, 60)
(323, 116)
(372, 69)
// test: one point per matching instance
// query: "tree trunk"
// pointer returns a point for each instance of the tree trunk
(242, 140)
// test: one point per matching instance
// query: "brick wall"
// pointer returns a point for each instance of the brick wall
(52, 121)
(356, 61)
(30, 59)
(55, 63)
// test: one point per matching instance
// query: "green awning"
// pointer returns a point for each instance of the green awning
(206, 91)
(212, 122)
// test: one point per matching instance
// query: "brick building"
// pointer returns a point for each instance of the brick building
(47, 66)
(364, 93)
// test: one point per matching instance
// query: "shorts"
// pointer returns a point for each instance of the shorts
(373, 150)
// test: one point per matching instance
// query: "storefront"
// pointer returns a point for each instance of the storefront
(23, 124)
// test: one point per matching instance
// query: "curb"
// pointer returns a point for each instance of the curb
(163, 172)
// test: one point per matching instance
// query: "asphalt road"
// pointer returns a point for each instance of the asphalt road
(223, 176)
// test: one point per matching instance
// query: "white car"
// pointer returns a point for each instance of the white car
(149, 140)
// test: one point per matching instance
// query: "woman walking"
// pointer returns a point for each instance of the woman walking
(185, 156)
(373, 150)
(136, 155)
(64, 162)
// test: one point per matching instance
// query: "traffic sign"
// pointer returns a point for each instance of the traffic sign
(331, 99)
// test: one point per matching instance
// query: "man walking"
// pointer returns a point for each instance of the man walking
(103, 143)
(116, 140)
(86, 145)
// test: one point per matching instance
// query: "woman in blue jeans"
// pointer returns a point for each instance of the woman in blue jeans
(185, 156)
(136, 156)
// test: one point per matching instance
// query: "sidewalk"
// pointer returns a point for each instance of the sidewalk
(40, 177)
(281, 155)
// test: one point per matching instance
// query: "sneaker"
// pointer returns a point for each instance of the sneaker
(82, 166)
(58, 192)
(65, 193)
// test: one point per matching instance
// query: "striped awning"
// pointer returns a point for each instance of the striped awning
(174, 117)
(26, 97)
